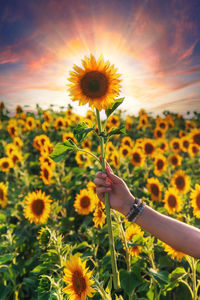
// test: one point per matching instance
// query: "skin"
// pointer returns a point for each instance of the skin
(180, 236)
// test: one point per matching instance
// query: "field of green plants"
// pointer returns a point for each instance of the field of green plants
(53, 232)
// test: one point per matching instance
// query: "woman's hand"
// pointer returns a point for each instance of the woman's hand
(120, 197)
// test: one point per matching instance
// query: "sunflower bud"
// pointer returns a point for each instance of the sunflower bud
(44, 285)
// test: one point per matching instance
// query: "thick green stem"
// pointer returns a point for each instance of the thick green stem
(116, 281)
(90, 153)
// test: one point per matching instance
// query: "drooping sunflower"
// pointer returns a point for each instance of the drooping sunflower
(135, 250)
(78, 279)
(37, 207)
(195, 200)
(46, 173)
(175, 160)
(195, 136)
(137, 157)
(181, 181)
(99, 215)
(193, 149)
(160, 163)
(175, 144)
(97, 83)
(3, 194)
(175, 254)
(155, 188)
(6, 164)
(84, 202)
(172, 201)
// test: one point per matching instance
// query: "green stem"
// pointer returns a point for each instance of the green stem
(116, 281)
(90, 153)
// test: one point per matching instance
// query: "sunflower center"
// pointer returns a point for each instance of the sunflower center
(79, 282)
(172, 201)
(195, 149)
(12, 130)
(116, 160)
(159, 133)
(155, 189)
(114, 121)
(38, 207)
(94, 84)
(197, 200)
(180, 182)
(1, 194)
(5, 165)
(125, 152)
(136, 157)
(162, 146)
(197, 139)
(174, 160)
(160, 164)
(149, 148)
(162, 125)
(127, 143)
(46, 173)
(186, 144)
(176, 145)
(85, 201)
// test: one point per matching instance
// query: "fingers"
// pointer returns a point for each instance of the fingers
(101, 191)
(101, 182)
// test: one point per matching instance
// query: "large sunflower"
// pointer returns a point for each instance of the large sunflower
(37, 207)
(181, 181)
(195, 200)
(3, 194)
(78, 279)
(97, 83)
(175, 254)
(85, 202)
(172, 201)
(155, 188)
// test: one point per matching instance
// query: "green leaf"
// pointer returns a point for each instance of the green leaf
(178, 273)
(129, 281)
(6, 258)
(81, 131)
(61, 149)
(115, 105)
(121, 130)
(160, 276)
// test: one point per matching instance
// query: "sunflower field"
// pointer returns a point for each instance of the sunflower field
(54, 238)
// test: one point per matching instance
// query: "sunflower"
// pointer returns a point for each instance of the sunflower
(86, 144)
(90, 116)
(185, 143)
(159, 133)
(195, 200)
(46, 174)
(47, 116)
(155, 188)
(69, 113)
(175, 144)
(172, 201)
(37, 207)
(45, 126)
(160, 164)
(46, 149)
(2, 106)
(190, 124)
(16, 157)
(114, 160)
(143, 121)
(162, 144)
(175, 254)
(9, 148)
(181, 181)
(195, 136)
(137, 157)
(18, 142)
(127, 141)
(38, 124)
(97, 83)
(175, 160)
(124, 151)
(5, 164)
(3, 194)
(84, 202)
(78, 279)
(128, 122)
(135, 251)
(83, 159)
(193, 149)
(149, 147)
(114, 121)
(181, 133)
(30, 123)
(44, 159)
(19, 109)
(162, 124)
(99, 215)
(69, 135)
(12, 130)
(59, 123)
(133, 230)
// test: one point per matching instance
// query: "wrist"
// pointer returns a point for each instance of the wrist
(127, 205)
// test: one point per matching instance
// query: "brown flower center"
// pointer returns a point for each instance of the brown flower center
(94, 84)
(180, 182)
(176, 145)
(5, 165)
(79, 283)
(85, 201)
(162, 125)
(196, 139)
(136, 157)
(185, 144)
(1, 194)
(114, 121)
(197, 200)
(116, 160)
(148, 148)
(159, 133)
(174, 160)
(155, 189)
(172, 201)
(46, 173)
(160, 164)
(15, 158)
(37, 207)
(125, 152)
(195, 149)
(127, 143)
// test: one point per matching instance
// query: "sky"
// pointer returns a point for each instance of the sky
(154, 44)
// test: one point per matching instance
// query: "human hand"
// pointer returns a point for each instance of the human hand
(120, 197)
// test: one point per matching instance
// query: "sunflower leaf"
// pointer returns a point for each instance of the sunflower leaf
(116, 104)
(61, 149)
(81, 131)
(121, 130)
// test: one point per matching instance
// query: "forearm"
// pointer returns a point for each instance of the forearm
(182, 237)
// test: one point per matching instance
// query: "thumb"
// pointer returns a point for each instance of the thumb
(114, 178)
